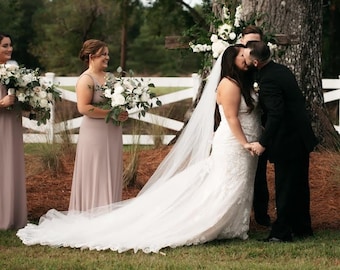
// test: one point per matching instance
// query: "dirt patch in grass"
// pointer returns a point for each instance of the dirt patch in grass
(46, 191)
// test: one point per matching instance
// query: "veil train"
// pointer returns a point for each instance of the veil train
(194, 143)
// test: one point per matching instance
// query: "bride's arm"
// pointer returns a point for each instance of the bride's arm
(229, 96)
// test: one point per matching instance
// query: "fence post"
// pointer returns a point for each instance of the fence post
(49, 80)
(196, 82)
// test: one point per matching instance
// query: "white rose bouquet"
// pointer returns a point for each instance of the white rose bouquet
(33, 95)
(124, 93)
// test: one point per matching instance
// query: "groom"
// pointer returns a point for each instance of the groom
(288, 138)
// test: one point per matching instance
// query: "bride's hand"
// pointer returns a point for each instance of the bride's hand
(249, 147)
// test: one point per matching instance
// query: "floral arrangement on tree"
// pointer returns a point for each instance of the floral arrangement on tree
(228, 32)
(125, 93)
(33, 94)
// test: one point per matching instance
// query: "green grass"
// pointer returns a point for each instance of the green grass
(320, 252)
(69, 88)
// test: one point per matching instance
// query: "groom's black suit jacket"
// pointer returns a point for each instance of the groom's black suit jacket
(286, 122)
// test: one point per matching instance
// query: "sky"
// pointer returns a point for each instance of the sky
(193, 2)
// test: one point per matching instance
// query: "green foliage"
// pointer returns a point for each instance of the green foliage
(64, 25)
(50, 157)
(49, 34)
(16, 20)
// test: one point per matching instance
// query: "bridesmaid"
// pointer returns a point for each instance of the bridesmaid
(98, 170)
(13, 208)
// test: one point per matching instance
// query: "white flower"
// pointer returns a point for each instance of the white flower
(218, 47)
(138, 91)
(145, 97)
(232, 36)
(256, 87)
(272, 47)
(213, 38)
(119, 70)
(43, 103)
(200, 47)
(226, 13)
(26, 79)
(117, 100)
(21, 97)
(107, 93)
(118, 88)
(238, 16)
(42, 94)
(128, 85)
(224, 30)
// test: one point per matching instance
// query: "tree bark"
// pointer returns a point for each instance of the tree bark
(302, 18)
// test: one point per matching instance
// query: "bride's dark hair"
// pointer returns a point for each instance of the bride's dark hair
(241, 77)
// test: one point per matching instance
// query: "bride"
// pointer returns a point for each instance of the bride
(200, 192)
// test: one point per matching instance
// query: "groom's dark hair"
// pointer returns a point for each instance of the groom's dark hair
(259, 50)
(252, 29)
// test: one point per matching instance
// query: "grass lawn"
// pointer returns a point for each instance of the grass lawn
(320, 252)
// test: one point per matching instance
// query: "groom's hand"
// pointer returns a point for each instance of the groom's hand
(257, 148)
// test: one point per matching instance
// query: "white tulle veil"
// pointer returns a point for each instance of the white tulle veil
(194, 143)
(192, 146)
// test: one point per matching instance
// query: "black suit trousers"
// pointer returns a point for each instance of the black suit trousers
(292, 196)
(261, 193)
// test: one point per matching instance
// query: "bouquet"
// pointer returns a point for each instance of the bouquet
(33, 95)
(125, 93)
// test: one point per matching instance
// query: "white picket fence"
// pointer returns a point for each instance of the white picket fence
(51, 131)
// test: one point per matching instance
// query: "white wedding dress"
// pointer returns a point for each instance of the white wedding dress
(202, 191)
(209, 200)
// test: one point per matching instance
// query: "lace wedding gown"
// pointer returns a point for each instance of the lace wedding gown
(209, 200)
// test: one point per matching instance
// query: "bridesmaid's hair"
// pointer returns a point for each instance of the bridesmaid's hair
(242, 78)
(91, 46)
(3, 35)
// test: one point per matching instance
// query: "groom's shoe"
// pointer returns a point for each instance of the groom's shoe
(272, 239)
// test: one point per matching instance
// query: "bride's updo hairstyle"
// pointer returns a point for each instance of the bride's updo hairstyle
(241, 77)
(93, 47)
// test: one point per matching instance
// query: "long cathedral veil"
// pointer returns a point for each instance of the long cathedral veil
(192, 146)
(194, 143)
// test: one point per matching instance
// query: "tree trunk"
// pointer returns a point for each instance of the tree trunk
(123, 42)
(302, 18)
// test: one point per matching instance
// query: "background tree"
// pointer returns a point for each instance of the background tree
(147, 52)
(301, 23)
(16, 20)
(64, 25)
